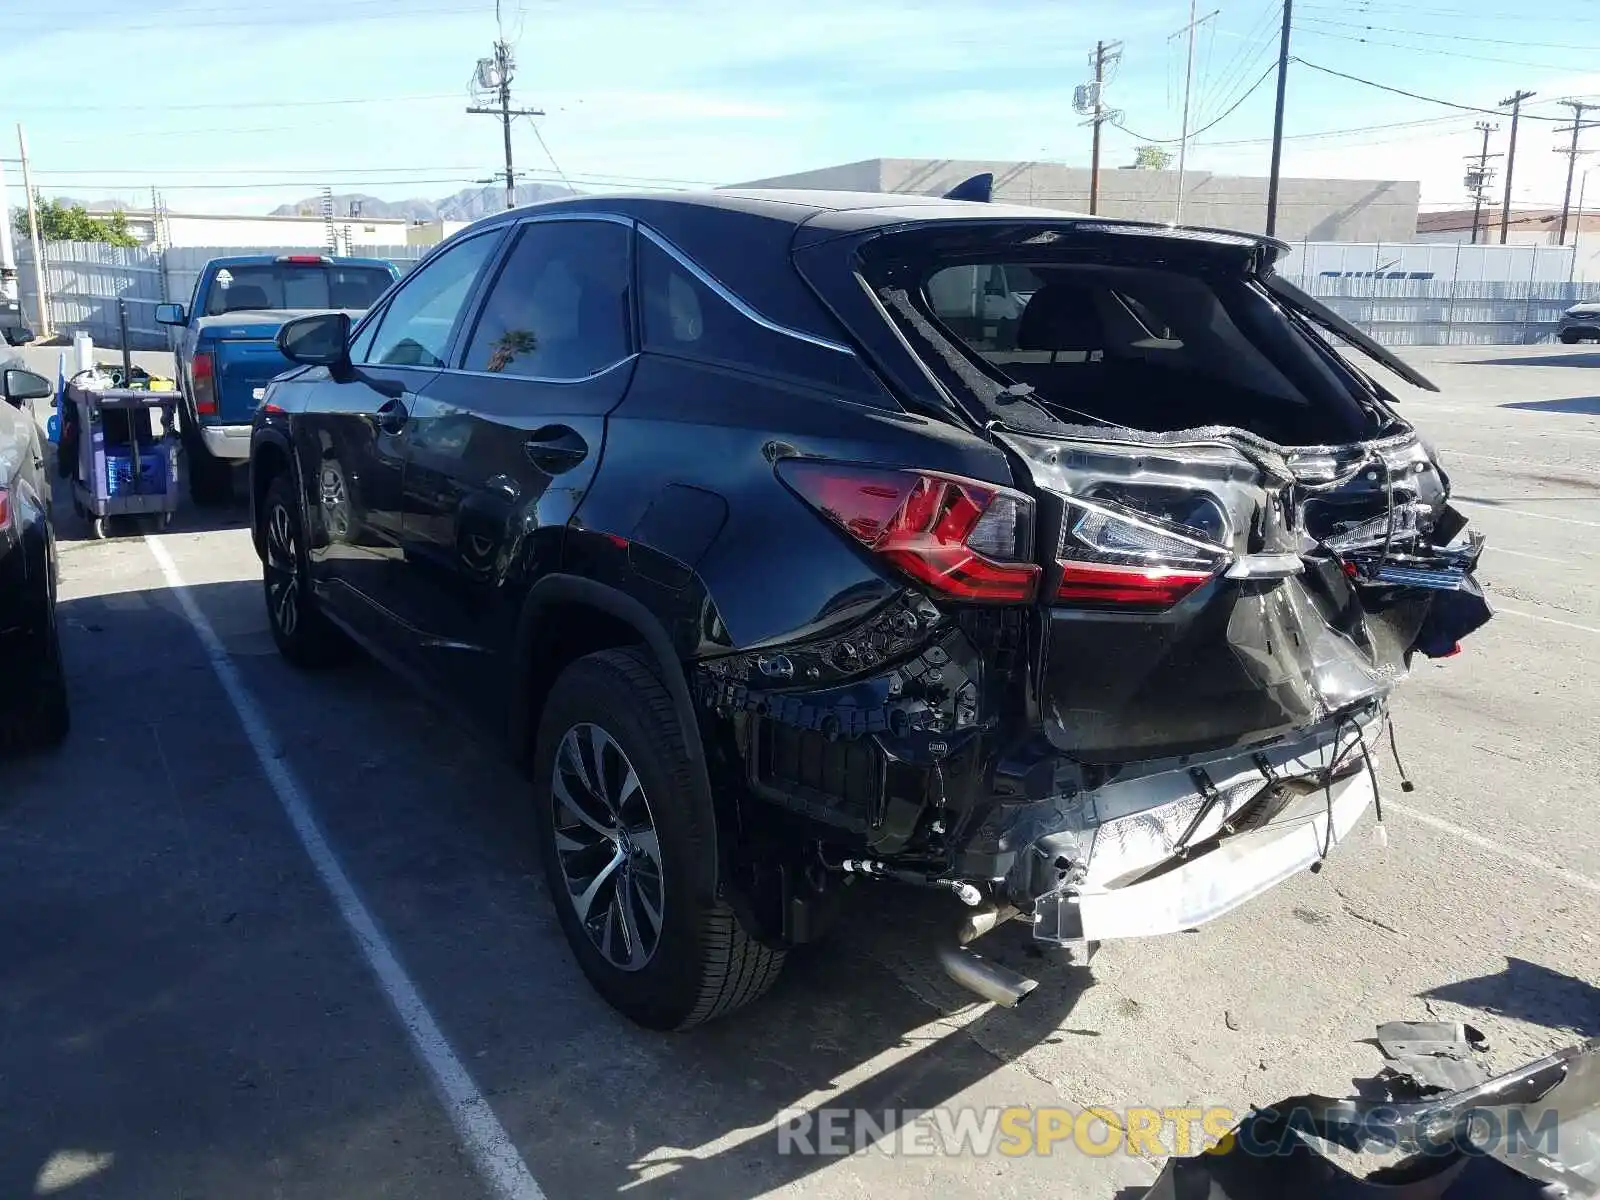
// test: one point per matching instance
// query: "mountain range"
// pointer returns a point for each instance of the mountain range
(466, 205)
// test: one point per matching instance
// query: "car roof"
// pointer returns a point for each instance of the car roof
(825, 214)
(799, 206)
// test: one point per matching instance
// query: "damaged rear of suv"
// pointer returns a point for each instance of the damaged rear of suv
(1062, 565)
(1223, 550)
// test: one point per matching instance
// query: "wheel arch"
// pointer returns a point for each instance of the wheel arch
(566, 617)
(270, 456)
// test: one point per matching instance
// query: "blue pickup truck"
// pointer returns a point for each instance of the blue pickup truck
(227, 350)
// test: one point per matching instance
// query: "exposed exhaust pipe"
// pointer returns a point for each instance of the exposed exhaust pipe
(984, 918)
(989, 980)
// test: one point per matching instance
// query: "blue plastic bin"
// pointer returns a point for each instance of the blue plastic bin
(152, 474)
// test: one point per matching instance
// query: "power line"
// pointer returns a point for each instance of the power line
(1565, 18)
(1338, 133)
(1218, 121)
(1454, 37)
(546, 148)
(1384, 87)
(308, 16)
(1244, 59)
(1393, 45)
(233, 104)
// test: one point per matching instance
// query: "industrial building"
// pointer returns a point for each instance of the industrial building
(1318, 210)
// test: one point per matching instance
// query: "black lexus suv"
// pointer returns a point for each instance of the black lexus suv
(795, 540)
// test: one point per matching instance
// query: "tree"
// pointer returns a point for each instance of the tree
(1152, 158)
(60, 223)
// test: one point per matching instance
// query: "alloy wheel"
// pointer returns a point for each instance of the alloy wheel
(283, 570)
(607, 845)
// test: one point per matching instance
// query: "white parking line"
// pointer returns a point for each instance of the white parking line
(1512, 460)
(1520, 512)
(1528, 616)
(1494, 549)
(486, 1140)
(1533, 862)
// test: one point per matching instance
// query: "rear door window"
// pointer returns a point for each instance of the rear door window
(559, 307)
(683, 314)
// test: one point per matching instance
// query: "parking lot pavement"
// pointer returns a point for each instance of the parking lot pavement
(188, 1014)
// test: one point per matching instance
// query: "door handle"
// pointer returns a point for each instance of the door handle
(555, 448)
(392, 416)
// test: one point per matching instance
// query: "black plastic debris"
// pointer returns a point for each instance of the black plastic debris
(1432, 1056)
(1530, 1134)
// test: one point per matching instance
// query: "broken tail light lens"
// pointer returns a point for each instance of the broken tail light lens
(204, 380)
(1114, 556)
(966, 539)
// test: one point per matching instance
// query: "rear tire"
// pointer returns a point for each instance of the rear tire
(303, 634)
(1570, 339)
(210, 478)
(45, 724)
(637, 852)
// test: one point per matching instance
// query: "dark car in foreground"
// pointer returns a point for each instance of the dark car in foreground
(33, 689)
(226, 352)
(1060, 565)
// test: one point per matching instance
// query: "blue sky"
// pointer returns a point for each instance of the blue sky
(237, 107)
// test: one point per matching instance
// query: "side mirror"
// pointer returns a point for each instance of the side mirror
(171, 314)
(20, 386)
(319, 340)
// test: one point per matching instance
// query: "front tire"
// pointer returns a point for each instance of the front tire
(627, 837)
(303, 634)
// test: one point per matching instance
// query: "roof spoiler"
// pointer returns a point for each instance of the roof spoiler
(979, 188)
(1315, 310)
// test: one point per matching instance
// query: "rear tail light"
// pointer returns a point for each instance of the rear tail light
(303, 259)
(968, 540)
(203, 376)
(5, 509)
(1120, 557)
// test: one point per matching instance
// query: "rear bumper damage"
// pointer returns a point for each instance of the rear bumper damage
(1139, 863)
(1105, 774)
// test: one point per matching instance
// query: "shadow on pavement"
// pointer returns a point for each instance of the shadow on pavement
(1586, 406)
(1569, 358)
(1527, 991)
(184, 1006)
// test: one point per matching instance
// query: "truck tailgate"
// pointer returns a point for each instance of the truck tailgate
(242, 366)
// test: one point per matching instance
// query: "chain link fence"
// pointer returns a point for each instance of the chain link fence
(84, 281)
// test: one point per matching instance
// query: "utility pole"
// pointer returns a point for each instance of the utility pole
(1478, 177)
(1578, 126)
(9, 292)
(494, 75)
(45, 329)
(1515, 101)
(1277, 120)
(1089, 101)
(1577, 232)
(1188, 81)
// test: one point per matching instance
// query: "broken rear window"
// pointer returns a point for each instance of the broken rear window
(1149, 337)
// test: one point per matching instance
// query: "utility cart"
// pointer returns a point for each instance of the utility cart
(124, 467)
(120, 464)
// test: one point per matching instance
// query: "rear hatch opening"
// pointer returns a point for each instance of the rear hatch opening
(1239, 536)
